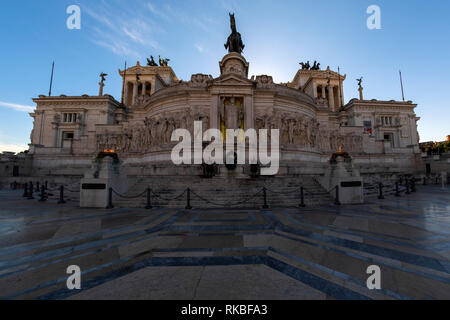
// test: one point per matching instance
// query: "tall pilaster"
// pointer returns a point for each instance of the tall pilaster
(331, 97)
(249, 112)
(126, 93)
(214, 112)
(135, 92)
(55, 135)
(339, 98)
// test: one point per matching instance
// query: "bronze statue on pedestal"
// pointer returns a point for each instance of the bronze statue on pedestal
(234, 42)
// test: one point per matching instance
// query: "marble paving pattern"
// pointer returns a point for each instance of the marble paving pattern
(309, 253)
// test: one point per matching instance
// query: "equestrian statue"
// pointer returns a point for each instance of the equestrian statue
(234, 43)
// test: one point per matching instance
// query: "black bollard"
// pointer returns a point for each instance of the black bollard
(15, 185)
(25, 191)
(265, 206)
(46, 185)
(188, 204)
(302, 197)
(38, 187)
(424, 181)
(149, 199)
(380, 187)
(337, 202)
(408, 190)
(61, 195)
(413, 185)
(30, 191)
(110, 202)
(42, 195)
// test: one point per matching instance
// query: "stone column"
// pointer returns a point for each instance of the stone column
(125, 93)
(339, 97)
(331, 97)
(249, 112)
(361, 97)
(41, 125)
(214, 112)
(135, 91)
(55, 134)
(144, 84)
(100, 91)
(324, 96)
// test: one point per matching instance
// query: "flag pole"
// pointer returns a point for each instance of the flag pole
(401, 84)
(123, 82)
(341, 104)
(51, 80)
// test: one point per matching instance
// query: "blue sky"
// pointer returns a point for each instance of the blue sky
(278, 35)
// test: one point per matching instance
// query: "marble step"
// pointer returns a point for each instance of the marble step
(224, 191)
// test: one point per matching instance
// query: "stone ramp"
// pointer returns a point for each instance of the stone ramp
(312, 253)
(221, 192)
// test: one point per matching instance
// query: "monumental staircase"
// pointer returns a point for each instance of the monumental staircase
(224, 192)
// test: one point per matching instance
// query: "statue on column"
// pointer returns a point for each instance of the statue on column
(102, 83)
(234, 42)
(360, 88)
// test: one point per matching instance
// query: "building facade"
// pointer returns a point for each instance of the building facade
(314, 122)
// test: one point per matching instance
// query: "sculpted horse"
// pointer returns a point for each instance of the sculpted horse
(234, 43)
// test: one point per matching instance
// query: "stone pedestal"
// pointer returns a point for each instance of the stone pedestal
(342, 173)
(94, 188)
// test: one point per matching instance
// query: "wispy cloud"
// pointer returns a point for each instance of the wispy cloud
(120, 30)
(133, 29)
(199, 47)
(157, 12)
(17, 107)
(16, 148)
(185, 18)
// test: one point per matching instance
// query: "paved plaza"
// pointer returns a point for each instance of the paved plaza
(311, 253)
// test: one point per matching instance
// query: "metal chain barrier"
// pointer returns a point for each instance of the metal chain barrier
(129, 197)
(285, 192)
(169, 199)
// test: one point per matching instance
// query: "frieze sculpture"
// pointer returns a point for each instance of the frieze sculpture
(296, 130)
(234, 42)
(153, 133)
(200, 80)
(302, 131)
(264, 81)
